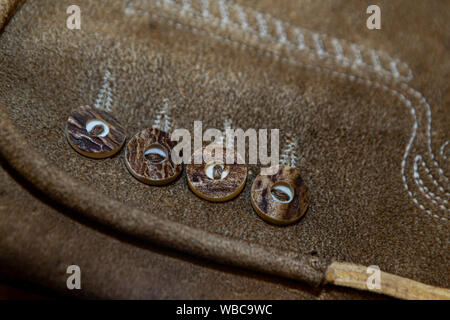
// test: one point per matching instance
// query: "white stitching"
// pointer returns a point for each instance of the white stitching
(319, 45)
(223, 12)
(288, 156)
(205, 8)
(262, 21)
(357, 53)
(186, 5)
(338, 49)
(393, 66)
(375, 60)
(423, 101)
(261, 24)
(243, 17)
(434, 198)
(227, 124)
(433, 180)
(280, 30)
(300, 39)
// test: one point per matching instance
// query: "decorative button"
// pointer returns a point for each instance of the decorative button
(281, 198)
(148, 157)
(216, 180)
(94, 133)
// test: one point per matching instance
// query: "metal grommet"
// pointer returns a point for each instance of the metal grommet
(216, 180)
(148, 157)
(281, 198)
(94, 133)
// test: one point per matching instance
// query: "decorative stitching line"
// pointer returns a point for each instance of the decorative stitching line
(163, 119)
(431, 177)
(264, 20)
(288, 157)
(104, 98)
(187, 5)
(358, 60)
(280, 31)
(243, 17)
(262, 25)
(223, 12)
(434, 198)
(319, 45)
(205, 8)
(423, 101)
(375, 60)
(300, 39)
(357, 53)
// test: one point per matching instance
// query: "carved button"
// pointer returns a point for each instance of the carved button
(94, 133)
(148, 157)
(216, 180)
(281, 198)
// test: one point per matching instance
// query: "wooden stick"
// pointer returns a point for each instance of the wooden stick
(355, 276)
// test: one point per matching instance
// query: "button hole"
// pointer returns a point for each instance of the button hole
(156, 154)
(282, 192)
(97, 128)
(216, 171)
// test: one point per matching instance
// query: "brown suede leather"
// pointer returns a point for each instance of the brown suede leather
(352, 123)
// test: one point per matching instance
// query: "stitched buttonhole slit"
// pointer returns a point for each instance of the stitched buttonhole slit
(282, 192)
(156, 154)
(97, 128)
(216, 171)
